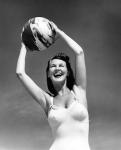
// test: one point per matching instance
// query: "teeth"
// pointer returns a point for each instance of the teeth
(58, 74)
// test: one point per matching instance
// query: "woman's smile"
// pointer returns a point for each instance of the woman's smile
(58, 73)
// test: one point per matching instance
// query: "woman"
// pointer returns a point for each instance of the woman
(66, 105)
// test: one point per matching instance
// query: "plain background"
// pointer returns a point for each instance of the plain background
(96, 26)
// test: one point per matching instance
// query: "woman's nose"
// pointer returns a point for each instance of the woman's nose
(57, 68)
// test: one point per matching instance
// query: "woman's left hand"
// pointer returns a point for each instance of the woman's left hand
(57, 30)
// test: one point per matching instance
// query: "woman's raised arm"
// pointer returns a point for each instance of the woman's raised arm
(39, 95)
(80, 60)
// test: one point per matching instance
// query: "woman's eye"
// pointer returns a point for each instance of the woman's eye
(61, 65)
(52, 66)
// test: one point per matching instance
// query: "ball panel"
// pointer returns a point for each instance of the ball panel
(39, 37)
(27, 36)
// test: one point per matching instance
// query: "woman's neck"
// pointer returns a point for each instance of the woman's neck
(61, 89)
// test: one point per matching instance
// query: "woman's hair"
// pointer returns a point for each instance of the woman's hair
(70, 76)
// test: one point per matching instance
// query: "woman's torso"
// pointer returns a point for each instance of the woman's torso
(70, 125)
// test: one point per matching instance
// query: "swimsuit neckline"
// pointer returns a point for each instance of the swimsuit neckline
(53, 106)
(59, 107)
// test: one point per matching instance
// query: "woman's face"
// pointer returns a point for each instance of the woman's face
(57, 70)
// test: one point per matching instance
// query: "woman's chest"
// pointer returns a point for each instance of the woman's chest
(75, 112)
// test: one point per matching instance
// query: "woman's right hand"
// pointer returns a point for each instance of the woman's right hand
(24, 47)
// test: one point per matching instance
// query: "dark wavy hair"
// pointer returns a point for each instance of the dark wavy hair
(70, 76)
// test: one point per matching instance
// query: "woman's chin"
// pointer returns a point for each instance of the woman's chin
(58, 79)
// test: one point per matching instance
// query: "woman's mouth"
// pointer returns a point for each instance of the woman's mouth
(58, 74)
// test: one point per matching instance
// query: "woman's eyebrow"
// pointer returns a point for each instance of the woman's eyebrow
(52, 64)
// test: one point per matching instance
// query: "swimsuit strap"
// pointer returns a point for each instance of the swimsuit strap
(51, 105)
(75, 98)
(51, 101)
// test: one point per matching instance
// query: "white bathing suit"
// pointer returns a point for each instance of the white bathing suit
(69, 126)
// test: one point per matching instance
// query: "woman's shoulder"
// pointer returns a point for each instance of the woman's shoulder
(79, 89)
(80, 94)
(49, 101)
(49, 98)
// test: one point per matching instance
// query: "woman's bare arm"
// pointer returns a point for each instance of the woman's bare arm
(38, 94)
(80, 60)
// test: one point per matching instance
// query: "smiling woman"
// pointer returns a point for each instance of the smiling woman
(65, 105)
